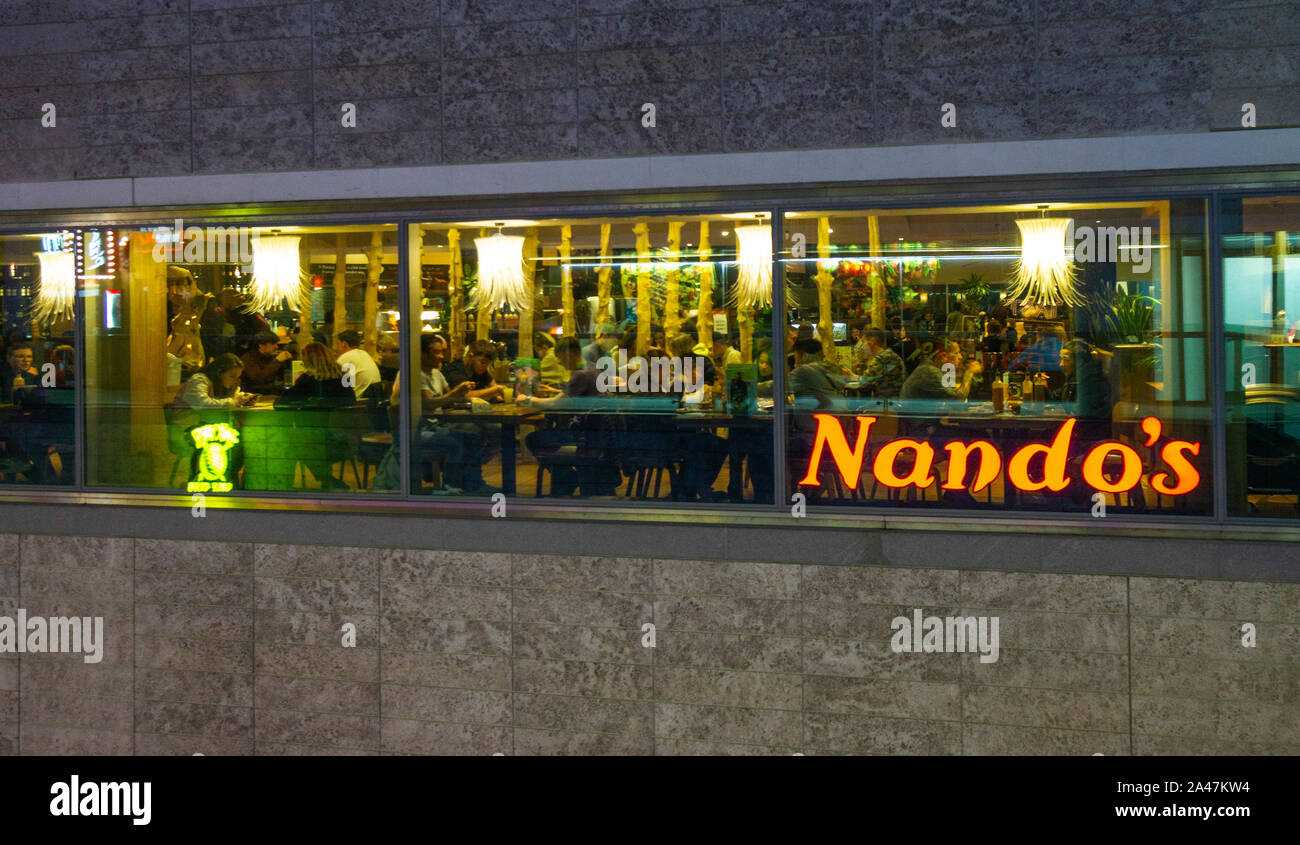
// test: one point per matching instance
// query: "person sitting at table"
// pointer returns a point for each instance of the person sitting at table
(18, 371)
(319, 389)
(884, 371)
(584, 437)
(927, 380)
(461, 445)
(215, 387)
(724, 353)
(455, 365)
(764, 363)
(811, 383)
(244, 326)
(365, 371)
(607, 337)
(264, 364)
(551, 372)
(904, 347)
(482, 355)
(1043, 355)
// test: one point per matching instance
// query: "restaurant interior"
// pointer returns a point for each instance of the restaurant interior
(638, 359)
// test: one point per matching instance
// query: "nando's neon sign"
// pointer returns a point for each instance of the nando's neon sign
(1181, 479)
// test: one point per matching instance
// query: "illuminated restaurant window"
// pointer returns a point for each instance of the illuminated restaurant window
(608, 358)
(1047, 357)
(37, 374)
(1261, 302)
(223, 358)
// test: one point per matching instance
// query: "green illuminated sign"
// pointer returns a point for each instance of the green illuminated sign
(213, 442)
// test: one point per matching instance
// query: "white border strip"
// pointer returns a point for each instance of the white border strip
(1242, 148)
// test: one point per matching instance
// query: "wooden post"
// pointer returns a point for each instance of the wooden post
(879, 292)
(568, 321)
(455, 290)
(145, 310)
(603, 314)
(483, 328)
(374, 268)
(824, 280)
(304, 336)
(644, 315)
(704, 320)
(531, 268)
(340, 285)
(673, 286)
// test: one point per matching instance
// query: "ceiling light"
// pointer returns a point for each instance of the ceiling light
(754, 257)
(501, 273)
(277, 275)
(58, 286)
(1044, 274)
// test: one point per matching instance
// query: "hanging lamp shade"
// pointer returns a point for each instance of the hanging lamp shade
(754, 258)
(58, 288)
(1044, 273)
(501, 273)
(277, 274)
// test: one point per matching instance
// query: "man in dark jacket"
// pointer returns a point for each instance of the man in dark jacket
(264, 365)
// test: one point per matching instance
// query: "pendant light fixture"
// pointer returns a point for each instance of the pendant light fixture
(58, 287)
(1044, 274)
(277, 274)
(754, 259)
(501, 273)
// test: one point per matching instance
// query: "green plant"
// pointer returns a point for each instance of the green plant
(1132, 317)
(974, 289)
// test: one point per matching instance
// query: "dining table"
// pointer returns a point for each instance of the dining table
(509, 417)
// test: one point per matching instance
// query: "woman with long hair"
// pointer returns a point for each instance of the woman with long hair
(318, 390)
(215, 386)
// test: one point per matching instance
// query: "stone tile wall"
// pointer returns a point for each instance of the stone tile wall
(236, 648)
(167, 87)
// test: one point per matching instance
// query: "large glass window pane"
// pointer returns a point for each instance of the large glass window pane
(1261, 303)
(37, 365)
(225, 358)
(1032, 357)
(605, 358)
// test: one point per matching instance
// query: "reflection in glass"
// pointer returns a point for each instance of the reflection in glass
(37, 357)
(1261, 277)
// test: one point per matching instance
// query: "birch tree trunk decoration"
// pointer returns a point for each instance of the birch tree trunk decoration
(673, 287)
(603, 314)
(532, 267)
(304, 305)
(455, 289)
(745, 325)
(340, 285)
(879, 293)
(824, 280)
(644, 317)
(704, 320)
(568, 321)
(374, 269)
(484, 323)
